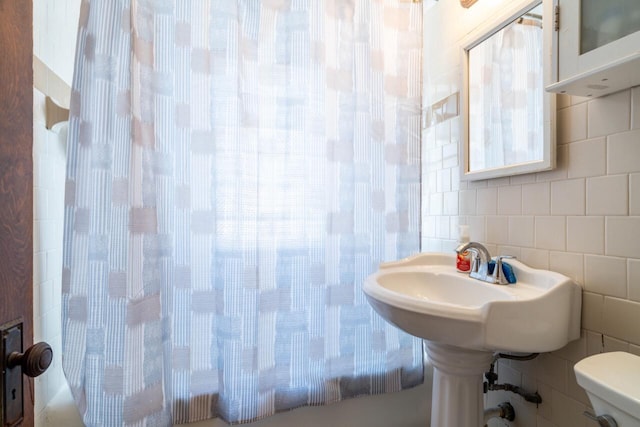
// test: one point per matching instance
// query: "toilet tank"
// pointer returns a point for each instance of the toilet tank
(612, 382)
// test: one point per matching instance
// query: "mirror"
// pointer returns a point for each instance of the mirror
(508, 119)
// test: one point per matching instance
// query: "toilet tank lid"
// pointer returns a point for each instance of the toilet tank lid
(614, 377)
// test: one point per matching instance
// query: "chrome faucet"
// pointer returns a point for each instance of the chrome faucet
(480, 264)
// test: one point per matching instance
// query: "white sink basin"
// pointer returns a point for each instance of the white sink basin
(425, 296)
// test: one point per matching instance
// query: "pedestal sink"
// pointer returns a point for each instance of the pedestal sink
(465, 321)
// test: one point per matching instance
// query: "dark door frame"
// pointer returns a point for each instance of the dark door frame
(16, 174)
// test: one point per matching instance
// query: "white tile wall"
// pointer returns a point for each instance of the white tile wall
(623, 152)
(608, 195)
(581, 219)
(551, 232)
(48, 195)
(635, 108)
(498, 230)
(510, 200)
(569, 264)
(613, 344)
(633, 279)
(467, 201)
(592, 312)
(536, 199)
(450, 203)
(605, 275)
(585, 234)
(595, 342)
(521, 231)
(620, 319)
(587, 158)
(572, 123)
(609, 115)
(568, 197)
(634, 193)
(623, 236)
(486, 201)
(54, 39)
(55, 25)
(536, 258)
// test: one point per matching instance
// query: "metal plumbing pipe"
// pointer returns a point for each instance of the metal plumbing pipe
(503, 410)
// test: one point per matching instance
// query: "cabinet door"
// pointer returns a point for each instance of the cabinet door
(598, 49)
(604, 22)
(596, 32)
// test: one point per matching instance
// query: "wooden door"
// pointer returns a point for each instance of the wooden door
(16, 175)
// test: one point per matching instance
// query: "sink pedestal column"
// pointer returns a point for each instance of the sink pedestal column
(457, 385)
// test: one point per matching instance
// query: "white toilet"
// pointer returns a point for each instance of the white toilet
(612, 382)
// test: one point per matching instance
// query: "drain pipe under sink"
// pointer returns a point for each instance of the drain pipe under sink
(503, 410)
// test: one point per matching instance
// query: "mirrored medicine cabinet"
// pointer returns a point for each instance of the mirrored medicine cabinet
(508, 119)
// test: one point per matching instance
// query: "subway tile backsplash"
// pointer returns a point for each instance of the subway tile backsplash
(581, 219)
(608, 195)
(623, 152)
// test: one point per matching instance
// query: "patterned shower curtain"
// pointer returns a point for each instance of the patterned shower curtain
(236, 168)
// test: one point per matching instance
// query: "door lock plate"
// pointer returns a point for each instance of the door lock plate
(11, 393)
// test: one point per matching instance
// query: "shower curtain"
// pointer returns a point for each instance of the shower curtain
(236, 168)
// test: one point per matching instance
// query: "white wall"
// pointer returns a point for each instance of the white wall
(54, 34)
(48, 197)
(582, 219)
(55, 25)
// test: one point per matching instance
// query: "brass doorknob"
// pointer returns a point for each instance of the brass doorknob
(34, 361)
